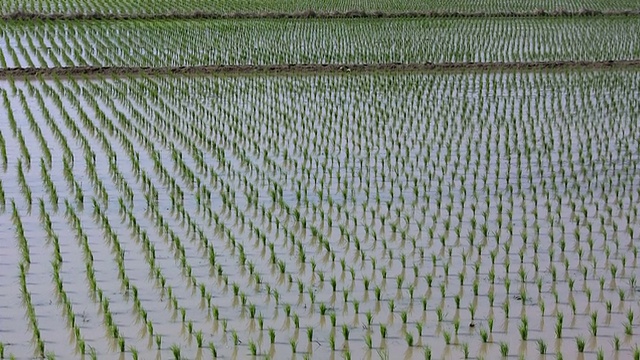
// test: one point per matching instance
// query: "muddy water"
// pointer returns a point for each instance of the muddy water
(547, 162)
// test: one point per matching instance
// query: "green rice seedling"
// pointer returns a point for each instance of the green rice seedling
(253, 349)
(134, 352)
(484, 335)
(447, 337)
(636, 353)
(630, 316)
(427, 352)
(368, 340)
(409, 338)
(608, 306)
(383, 331)
(456, 325)
(1, 350)
(628, 328)
(419, 328)
(616, 343)
(504, 349)
(198, 336)
(391, 306)
(332, 342)
(490, 324)
(332, 318)
(593, 324)
(158, 341)
(439, 314)
(465, 350)
(294, 344)
(345, 332)
(600, 354)
(523, 328)
(213, 350)
(542, 346)
(175, 350)
(369, 317)
(272, 335)
(403, 317)
(580, 343)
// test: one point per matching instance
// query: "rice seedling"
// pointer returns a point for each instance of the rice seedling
(447, 337)
(580, 344)
(504, 349)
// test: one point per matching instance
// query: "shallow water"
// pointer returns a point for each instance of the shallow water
(535, 157)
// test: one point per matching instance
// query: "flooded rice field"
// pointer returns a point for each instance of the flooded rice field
(443, 215)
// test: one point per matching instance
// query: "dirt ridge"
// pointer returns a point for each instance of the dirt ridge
(312, 68)
(314, 15)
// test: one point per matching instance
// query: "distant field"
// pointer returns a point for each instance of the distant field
(184, 6)
(369, 41)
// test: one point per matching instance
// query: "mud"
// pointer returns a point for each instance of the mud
(313, 15)
(80, 71)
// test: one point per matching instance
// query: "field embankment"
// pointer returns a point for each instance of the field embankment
(315, 15)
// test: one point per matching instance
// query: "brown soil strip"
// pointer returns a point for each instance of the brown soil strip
(314, 15)
(313, 68)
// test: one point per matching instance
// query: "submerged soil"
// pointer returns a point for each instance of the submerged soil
(318, 15)
(312, 68)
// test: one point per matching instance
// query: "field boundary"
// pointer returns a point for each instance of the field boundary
(312, 68)
(315, 15)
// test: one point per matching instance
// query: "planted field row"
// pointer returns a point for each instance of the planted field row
(487, 213)
(360, 41)
(166, 6)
